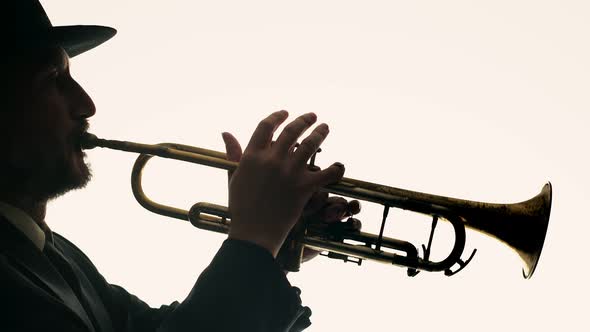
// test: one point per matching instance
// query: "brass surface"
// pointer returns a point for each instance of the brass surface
(522, 226)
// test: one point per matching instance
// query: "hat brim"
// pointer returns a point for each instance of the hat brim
(77, 39)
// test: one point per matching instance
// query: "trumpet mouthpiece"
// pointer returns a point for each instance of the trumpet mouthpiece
(88, 141)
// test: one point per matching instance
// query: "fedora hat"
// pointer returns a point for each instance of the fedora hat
(25, 25)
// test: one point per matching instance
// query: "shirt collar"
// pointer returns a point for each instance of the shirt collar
(24, 223)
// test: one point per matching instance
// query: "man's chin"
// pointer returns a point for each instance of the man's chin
(39, 181)
(80, 170)
(71, 179)
(80, 177)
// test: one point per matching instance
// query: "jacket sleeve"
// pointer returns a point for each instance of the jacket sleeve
(243, 289)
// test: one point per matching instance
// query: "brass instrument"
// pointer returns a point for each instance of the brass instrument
(522, 226)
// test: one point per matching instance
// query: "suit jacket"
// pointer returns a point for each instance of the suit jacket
(59, 289)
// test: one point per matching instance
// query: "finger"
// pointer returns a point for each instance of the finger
(354, 207)
(314, 168)
(233, 150)
(290, 150)
(327, 176)
(335, 210)
(288, 138)
(316, 203)
(262, 136)
(356, 224)
(311, 144)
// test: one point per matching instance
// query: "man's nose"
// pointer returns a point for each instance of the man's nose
(84, 106)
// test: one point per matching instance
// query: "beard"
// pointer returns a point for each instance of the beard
(65, 178)
(45, 178)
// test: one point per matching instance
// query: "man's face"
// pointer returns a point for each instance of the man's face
(43, 125)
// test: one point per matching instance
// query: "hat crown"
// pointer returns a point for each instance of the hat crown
(25, 17)
(24, 25)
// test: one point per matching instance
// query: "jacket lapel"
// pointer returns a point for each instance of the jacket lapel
(23, 255)
(89, 295)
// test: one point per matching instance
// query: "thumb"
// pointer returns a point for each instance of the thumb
(232, 149)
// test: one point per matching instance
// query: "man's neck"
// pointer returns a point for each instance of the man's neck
(35, 209)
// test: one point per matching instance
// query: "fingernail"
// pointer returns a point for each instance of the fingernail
(224, 135)
(339, 164)
(311, 117)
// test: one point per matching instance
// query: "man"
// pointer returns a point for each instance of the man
(48, 284)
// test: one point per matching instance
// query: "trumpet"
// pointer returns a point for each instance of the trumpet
(521, 226)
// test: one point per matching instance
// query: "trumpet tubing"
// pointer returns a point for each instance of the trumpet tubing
(522, 226)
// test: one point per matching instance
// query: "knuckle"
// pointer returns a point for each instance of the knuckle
(315, 138)
(290, 129)
(303, 118)
(305, 148)
(340, 200)
(313, 168)
(312, 140)
(248, 158)
(270, 164)
(266, 124)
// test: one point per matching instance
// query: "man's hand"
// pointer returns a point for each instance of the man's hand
(272, 184)
(329, 210)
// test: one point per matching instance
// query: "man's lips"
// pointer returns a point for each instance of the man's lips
(76, 142)
(78, 134)
(80, 131)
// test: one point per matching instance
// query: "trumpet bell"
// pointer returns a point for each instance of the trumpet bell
(521, 226)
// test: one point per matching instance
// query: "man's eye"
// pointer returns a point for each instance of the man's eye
(53, 75)
(58, 79)
(48, 77)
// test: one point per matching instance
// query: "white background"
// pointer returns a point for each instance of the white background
(479, 100)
